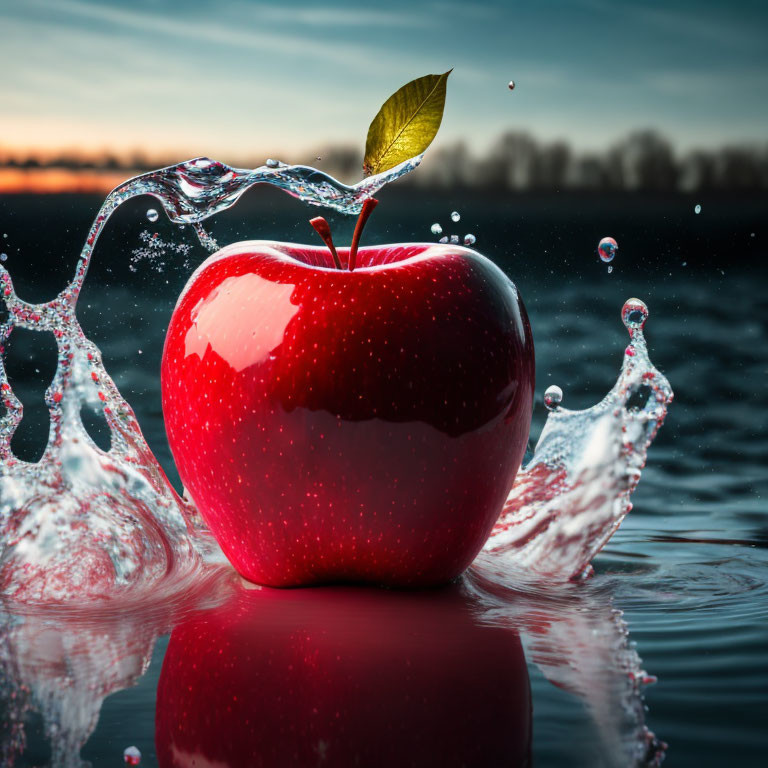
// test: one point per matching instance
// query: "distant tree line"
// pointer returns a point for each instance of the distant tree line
(643, 161)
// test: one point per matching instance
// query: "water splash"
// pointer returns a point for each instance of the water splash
(62, 662)
(571, 497)
(154, 250)
(84, 523)
(580, 642)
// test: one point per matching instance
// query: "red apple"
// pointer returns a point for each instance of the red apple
(343, 676)
(335, 425)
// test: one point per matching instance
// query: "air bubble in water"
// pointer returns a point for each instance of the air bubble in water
(443, 239)
(469, 239)
(607, 248)
(511, 85)
(132, 756)
(553, 397)
(455, 239)
(152, 215)
(272, 163)
(455, 216)
(697, 208)
(436, 229)
(3, 257)
(610, 269)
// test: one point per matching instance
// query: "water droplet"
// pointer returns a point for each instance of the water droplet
(553, 396)
(610, 269)
(5, 235)
(132, 756)
(152, 215)
(697, 208)
(607, 248)
(272, 163)
(3, 257)
(469, 239)
(511, 85)
(455, 216)
(634, 313)
(436, 229)
(443, 239)
(455, 239)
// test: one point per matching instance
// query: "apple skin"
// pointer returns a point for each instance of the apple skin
(336, 426)
(343, 676)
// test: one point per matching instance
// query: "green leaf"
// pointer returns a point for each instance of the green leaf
(406, 123)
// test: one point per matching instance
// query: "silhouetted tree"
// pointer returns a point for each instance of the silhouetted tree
(697, 171)
(588, 172)
(552, 166)
(737, 169)
(450, 167)
(344, 162)
(645, 161)
(511, 161)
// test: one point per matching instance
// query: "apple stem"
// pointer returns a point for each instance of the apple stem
(322, 229)
(368, 205)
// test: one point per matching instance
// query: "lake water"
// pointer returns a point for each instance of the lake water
(688, 569)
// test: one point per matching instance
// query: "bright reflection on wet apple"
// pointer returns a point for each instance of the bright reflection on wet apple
(343, 676)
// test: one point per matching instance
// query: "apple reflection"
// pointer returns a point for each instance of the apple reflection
(343, 677)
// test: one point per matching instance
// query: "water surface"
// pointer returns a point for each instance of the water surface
(688, 568)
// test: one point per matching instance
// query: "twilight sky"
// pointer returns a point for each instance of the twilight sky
(235, 79)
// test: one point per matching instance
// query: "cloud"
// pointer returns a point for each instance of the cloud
(718, 28)
(328, 16)
(206, 31)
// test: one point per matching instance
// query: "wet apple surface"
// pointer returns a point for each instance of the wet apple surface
(348, 426)
(343, 676)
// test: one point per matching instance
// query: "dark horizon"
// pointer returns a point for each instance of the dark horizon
(644, 160)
